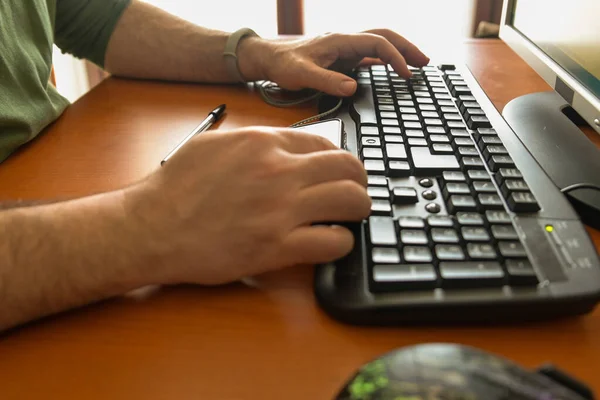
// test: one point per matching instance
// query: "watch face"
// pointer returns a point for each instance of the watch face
(444, 371)
(330, 129)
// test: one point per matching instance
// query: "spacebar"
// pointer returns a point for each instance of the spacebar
(363, 105)
(426, 163)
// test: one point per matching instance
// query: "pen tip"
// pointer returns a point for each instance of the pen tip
(218, 112)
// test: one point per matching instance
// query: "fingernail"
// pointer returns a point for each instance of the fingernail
(348, 87)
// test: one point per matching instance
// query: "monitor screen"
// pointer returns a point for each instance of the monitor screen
(568, 32)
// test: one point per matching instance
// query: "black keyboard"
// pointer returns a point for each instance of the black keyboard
(464, 226)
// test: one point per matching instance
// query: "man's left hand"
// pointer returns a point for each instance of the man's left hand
(316, 63)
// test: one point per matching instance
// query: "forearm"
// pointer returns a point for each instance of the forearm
(150, 43)
(63, 255)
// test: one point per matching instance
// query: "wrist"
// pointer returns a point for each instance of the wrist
(253, 53)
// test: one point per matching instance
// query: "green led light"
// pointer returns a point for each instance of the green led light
(549, 228)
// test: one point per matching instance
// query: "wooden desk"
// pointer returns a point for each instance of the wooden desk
(269, 341)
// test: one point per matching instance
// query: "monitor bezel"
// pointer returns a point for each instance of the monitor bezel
(581, 99)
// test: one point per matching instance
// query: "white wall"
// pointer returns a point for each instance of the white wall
(429, 23)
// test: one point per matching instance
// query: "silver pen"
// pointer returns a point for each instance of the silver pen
(213, 117)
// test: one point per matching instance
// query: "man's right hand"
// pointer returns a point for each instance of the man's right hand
(234, 204)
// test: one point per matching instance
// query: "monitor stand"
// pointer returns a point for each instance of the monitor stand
(548, 127)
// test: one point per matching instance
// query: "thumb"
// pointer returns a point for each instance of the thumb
(330, 82)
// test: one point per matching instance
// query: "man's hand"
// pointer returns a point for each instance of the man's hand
(315, 63)
(240, 203)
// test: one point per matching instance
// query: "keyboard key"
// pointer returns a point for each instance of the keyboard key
(426, 182)
(489, 140)
(406, 103)
(426, 163)
(382, 255)
(442, 148)
(381, 207)
(452, 117)
(393, 139)
(378, 192)
(469, 218)
(456, 125)
(522, 202)
(463, 141)
(461, 203)
(387, 114)
(399, 168)
(439, 139)
(372, 152)
(403, 277)
(374, 166)
(405, 195)
(390, 121)
(512, 250)
(473, 234)
(411, 223)
(449, 109)
(440, 221)
(369, 130)
(392, 129)
(370, 141)
(430, 114)
(412, 125)
(490, 201)
(413, 236)
(456, 188)
(429, 195)
(521, 272)
(460, 90)
(471, 163)
(445, 103)
(484, 187)
(433, 121)
(514, 185)
(433, 208)
(445, 252)
(497, 162)
(464, 105)
(459, 132)
(427, 107)
(377, 180)
(433, 130)
(478, 121)
(471, 274)
(468, 151)
(507, 173)
(410, 117)
(489, 151)
(481, 251)
(498, 217)
(467, 97)
(444, 235)
(504, 232)
(478, 175)
(395, 151)
(415, 133)
(382, 232)
(453, 176)
(408, 110)
(469, 112)
(417, 254)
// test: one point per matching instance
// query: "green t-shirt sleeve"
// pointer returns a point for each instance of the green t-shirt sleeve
(83, 27)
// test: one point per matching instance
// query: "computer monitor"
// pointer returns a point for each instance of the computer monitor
(560, 39)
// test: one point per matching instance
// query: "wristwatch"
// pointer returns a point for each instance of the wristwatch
(230, 52)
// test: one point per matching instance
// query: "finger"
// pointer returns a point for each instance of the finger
(332, 202)
(411, 53)
(368, 61)
(298, 142)
(371, 45)
(332, 166)
(316, 244)
(328, 81)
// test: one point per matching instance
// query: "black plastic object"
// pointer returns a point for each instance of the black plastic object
(566, 155)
